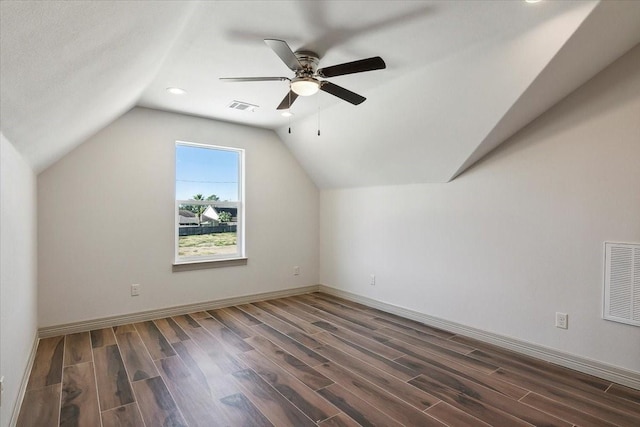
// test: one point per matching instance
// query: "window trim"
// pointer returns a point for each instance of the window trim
(202, 265)
(212, 261)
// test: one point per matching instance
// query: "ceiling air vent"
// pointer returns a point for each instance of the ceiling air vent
(622, 283)
(242, 106)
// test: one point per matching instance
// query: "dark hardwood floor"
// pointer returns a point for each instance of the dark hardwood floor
(311, 360)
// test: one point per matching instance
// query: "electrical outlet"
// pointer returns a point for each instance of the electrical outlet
(562, 320)
(372, 282)
(135, 290)
(296, 271)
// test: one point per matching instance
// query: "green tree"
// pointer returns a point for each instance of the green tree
(224, 216)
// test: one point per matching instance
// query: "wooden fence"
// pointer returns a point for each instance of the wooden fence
(206, 229)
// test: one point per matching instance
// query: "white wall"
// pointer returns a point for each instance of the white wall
(516, 238)
(106, 220)
(18, 285)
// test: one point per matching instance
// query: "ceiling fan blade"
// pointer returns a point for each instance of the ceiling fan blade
(287, 101)
(282, 49)
(362, 65)
(342, 93)
(253, 79)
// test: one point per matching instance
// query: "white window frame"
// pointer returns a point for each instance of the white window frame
(239, 205)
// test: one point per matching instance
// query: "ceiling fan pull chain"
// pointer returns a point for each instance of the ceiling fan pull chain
(289, 108)
(318, 99)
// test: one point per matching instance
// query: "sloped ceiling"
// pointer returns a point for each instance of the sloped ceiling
(461, 76)
(67, 69)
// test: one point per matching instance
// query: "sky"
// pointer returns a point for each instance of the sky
(206, 171)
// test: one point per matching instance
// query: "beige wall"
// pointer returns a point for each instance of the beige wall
(516, 238)
(106, 220)
(18, 285)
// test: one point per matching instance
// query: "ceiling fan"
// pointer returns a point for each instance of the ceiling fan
(307, 80)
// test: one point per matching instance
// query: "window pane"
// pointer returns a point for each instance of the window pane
(206, 230)
(208, 202)
(206, 173)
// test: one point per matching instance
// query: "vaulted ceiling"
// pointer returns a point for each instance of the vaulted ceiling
(461, 77)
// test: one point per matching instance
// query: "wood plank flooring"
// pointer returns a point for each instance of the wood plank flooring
(302, 361)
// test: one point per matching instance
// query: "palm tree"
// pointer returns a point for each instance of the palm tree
(198, 209)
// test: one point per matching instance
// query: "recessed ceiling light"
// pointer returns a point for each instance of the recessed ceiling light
(176, 91)
(533, 1)
(287, 114)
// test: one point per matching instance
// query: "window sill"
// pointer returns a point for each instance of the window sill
(201, 265)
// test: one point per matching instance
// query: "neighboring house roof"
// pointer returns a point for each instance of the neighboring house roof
(187, 217)
(210, 213)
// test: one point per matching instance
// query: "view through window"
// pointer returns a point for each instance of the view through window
(209, 211)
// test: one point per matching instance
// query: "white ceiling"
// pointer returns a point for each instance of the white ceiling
(461, 75)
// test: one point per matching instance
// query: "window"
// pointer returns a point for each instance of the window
(209, 203)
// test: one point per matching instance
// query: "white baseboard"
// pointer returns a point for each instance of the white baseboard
(23, 383)
(602, 370)
(106, 322)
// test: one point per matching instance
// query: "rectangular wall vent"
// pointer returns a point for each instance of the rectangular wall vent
(243, 106)
(622, 283)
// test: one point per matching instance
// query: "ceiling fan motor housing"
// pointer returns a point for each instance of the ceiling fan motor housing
(309, 61)
(306, 82)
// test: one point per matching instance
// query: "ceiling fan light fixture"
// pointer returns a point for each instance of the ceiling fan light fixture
(305, 86)
(287, 113)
